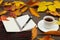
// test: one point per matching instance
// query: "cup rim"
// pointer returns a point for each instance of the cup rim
(48, 17)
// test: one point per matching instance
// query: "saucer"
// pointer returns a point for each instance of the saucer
(53, 27)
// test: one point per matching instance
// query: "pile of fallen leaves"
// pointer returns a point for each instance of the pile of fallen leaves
(17, 8)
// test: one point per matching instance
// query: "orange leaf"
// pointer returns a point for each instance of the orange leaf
(31, 2)
(53, 13)
(53, 32)
(4, 18)
(46, 38)
(34, 33)
(16, 12)
(23, 9)
(33, 12)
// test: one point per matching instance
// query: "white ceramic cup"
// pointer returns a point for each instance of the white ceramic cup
(48, 23)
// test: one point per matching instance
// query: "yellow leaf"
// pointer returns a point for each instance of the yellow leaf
(3, 12)
(18, 3)
(7, 3)
(48, 3)
(17, 12)
(57, 22)
(34, 33)
(57, 4)
(52, 8)
(42, 8)
(42, 3)
(1, 1)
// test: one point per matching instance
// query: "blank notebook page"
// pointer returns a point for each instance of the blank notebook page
(11, 25)
(31, 24)
(22, 20)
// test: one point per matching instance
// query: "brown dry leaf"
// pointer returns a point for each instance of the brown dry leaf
(3, 12)
(23, 9)
(46, 38)
(8, 8)
(12, 15)
(17, 12)
(35, 4)
(34, 33)
(33, 12)
(53, 32)
(53, 13)
(32, 2)
(22, 6)
(3, 17)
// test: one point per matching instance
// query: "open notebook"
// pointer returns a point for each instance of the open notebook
(19, 24)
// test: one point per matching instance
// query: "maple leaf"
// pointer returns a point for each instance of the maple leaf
(34, 33)
(48, 37)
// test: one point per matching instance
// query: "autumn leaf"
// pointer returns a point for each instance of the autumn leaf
(57, 22)
(1, 1)
(53, 33)
(32, 2)
(52, 8)
(34, 33)
(7, 3)
(57, 4)
(43, 6)
(3, 12)
(35, 4)
(17, 12)
(18, 3)
(33, 12)
(3, 17)
(12, 15)
(48, 37)
(54, 13)
(23, 9)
